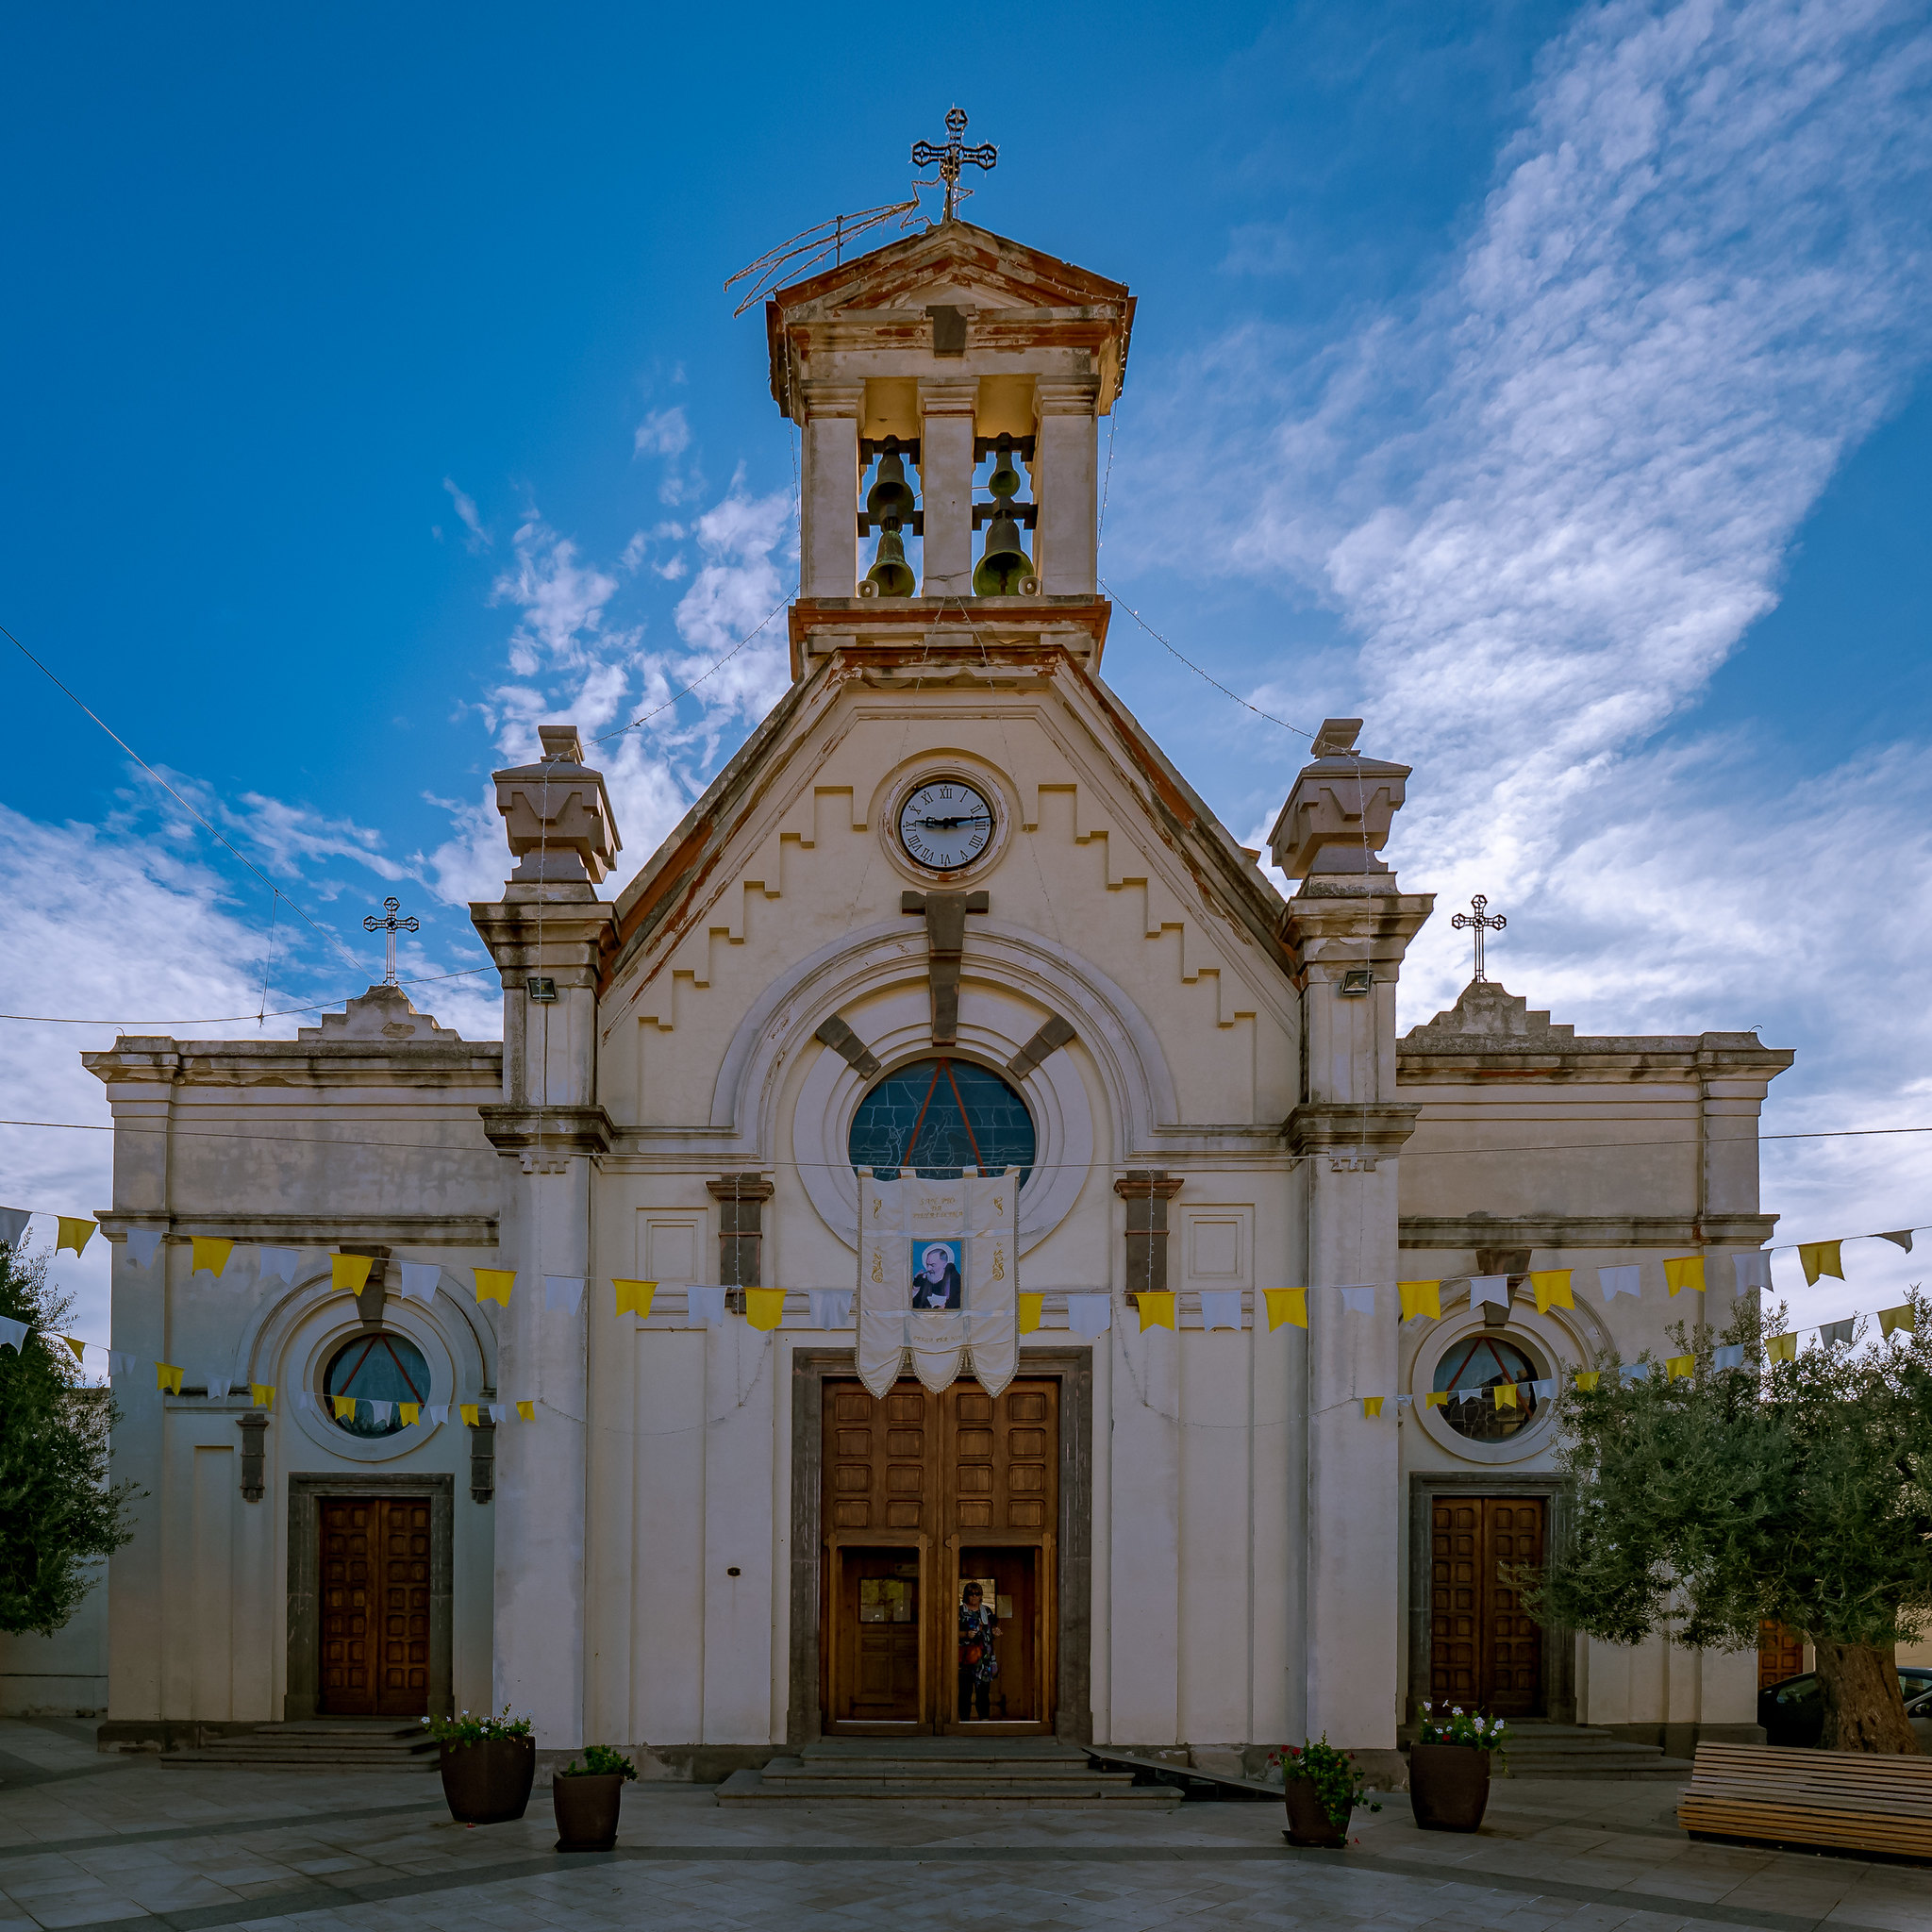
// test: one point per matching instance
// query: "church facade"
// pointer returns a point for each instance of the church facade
(949, 909)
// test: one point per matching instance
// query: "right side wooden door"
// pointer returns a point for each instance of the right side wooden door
(1485, 1653)
(375, 1607)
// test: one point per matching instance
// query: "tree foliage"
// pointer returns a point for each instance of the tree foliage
(58, 1514)
(1795, 1491)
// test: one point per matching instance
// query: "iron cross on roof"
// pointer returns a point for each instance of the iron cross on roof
(949, 159)
(388, 926)
(1481, 920)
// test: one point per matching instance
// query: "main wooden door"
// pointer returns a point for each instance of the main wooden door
(925, 1497)
(375, 1608)
(1485, 1654)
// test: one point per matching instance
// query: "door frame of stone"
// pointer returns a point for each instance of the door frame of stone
(306, 1494)
(1073, 1589)
(1559, 1640)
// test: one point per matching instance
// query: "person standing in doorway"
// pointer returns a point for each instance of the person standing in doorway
(978, 1664)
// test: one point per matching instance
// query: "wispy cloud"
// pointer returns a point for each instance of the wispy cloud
(480, 539)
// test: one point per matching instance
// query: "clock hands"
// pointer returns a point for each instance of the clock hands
(945, 824)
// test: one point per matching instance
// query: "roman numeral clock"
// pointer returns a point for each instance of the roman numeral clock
(945, 824)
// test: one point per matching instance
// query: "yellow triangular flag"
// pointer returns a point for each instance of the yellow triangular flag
(79, 1347)
(1685, 1271)
(262, 1394)
(348, 1273)
(1900, 1317)
(1586, 1378)
(1821, 1257)
(1551, 1287)
(1505, 1395)
(528, 1410)
(409, 1413)
(345, 1408)
(1157, 1308)
(1372, 1405)
(494, 1283)
(764, 1307)
(1420, 1298)
(76, 1232)
(471, 1412)
(1438, 1399)
(1679, 1368)
(1289, 1304)
(168, 1376)
(633, 1297)
(1782, 1348)
(1030, 1306)
(211, 1254)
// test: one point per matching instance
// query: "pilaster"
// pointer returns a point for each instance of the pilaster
(947, 406)
(828, 517)
(1065, 483)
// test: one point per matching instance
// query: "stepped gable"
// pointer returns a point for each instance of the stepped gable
(383, 1012)
(1489, 1018)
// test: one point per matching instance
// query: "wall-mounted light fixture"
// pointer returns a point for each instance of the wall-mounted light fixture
(542, 989)
(1356, 983)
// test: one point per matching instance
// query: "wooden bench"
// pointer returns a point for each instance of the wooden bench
(1842, 1799)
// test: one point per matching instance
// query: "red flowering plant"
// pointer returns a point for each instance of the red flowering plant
(1337, 1780)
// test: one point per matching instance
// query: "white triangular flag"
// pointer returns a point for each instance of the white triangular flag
(1899, 1238)
(1362, 1300)
(1753, 1270)
(704, 1305)
(276, 1264)
(13, 1223)
(1090, 1314)
(1729, 1355)
(1488, 1288)
(499, 1411)
(217, 1387)
(1469, 1395)
(143, 1243)
(1404, 1401)
(1221, 1308)
(1617, 1281)
(1635, 1372)
(120, 1362)
(12, 1333)
(385, 1412)
(307, 1401)
(831, 1308)
(420, 1279)
(437, 1411)
(563, 1293)
(1544, 1389)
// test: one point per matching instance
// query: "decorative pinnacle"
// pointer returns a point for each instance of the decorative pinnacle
(388, 926)
(950, 159)
(1479, 921)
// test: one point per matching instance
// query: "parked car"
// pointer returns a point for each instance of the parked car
(1793, 1712)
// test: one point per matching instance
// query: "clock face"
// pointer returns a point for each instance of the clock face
(945, 824)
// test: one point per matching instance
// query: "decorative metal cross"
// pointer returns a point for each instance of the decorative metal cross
(388, 926)
(1481, 920)
(949, 158)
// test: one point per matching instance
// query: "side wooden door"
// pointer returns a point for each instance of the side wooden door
(375, 1607)
(1485, 1652)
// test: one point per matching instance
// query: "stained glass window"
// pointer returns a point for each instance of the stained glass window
(376, 1368)
(1477, 1365)
(940, 1116)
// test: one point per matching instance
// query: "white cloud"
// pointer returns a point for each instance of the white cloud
(663, 433)
(478, 539)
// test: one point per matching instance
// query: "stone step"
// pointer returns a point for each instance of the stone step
(789, 1786)
(933, 1770)
(1586, 1751)
(318, 1744)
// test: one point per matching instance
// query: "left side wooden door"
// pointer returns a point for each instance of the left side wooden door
(375, 1607)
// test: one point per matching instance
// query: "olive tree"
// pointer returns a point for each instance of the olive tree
(1799, 1491)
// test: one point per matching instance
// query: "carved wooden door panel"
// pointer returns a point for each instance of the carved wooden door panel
(375, 1607)
(1485, 1654)
(403, 1662)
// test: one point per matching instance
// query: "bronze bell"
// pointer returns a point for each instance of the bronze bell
(1005, 480)
(889, 572)
(890, 496)
(1005, 561)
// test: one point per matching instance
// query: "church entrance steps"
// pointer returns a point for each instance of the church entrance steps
(1035, 1770)
(1551, 1750)
(344, 1744)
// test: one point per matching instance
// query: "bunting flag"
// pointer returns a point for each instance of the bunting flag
(262, 1394)
(76, 1232)
(1157, 1308)
(1029, 1307)
(1372, 1405)
(1221, 1308)
(12, 1333)
(1680, 1368)
(349, 1273)
(1504, 1394)
(1829, 1332)
(210, 1256)
(438, 1412)
(471, 1413)
(409, 1413)
(1635, 1372)
(1899, 1238)
(344, 1408)
(77, 1348)
(1821, 1257)
(1488, 1288)
(1551, 1287)
(213, 1385)
(168, 1376)
(1091, 1314)
(275, 1264)
(1544, 1389)
(382, 1411)
(494, 1284)
(633, 1297)
(1616, 1281)
(420, 1280)
(704, 1304)
(1362, 1298)
(1781, 1348)
(307, 1405)
(1437, 1399)
(1900, 1317)
(13, 1223)
(1420, 1298)
(1728, 1355)
(1753, 1270)
(564, 1292)
(527, 1410)
(1289, 1304)
(764, 1307)
(143, 1243)
(831, 1308)
(499, 1411)
(1685, 1271)
(120, 1362)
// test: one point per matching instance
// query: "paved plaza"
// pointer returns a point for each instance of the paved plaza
(92, 1840)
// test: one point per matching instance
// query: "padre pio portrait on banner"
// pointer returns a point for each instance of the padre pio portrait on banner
(936, 1273)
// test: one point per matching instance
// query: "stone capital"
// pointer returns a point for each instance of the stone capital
(1066, 398)
(1334, 930)
(826, 397)
(557, 814)
(1376, 1127)
(948, 396)
(1337, 816)
(556, 1132)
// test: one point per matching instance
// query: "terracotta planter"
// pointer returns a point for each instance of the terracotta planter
(1449, 1785)
(587, 1806)
(489, 1782)
(1308, 1823)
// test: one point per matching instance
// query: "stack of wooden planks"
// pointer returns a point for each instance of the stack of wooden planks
(1844, 1799)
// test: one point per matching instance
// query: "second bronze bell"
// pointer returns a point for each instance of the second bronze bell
(891, 575)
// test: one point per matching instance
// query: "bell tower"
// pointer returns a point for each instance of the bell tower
(948, 389)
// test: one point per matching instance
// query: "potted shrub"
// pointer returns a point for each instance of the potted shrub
(587, 1796)
(488, 1764)
(1322, 1786)
(1449, 1768)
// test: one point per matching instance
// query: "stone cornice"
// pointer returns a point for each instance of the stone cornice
(312, 1230)
(1450, 1232)
(243, 1063)
(552, 1131)
(1376, 1127)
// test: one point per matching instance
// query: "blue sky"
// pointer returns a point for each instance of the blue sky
(1545, 383)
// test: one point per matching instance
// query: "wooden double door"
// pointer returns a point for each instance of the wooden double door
(935, 1508)
(375, 1607)
(1485, 1654)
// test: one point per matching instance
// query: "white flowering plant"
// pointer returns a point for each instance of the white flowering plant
(1452, 1724)
(465, 1729)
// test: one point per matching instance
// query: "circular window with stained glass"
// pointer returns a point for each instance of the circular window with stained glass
(1472, 1372)
(940, 1116)
(375, 1374)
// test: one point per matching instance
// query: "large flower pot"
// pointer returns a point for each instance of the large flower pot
(1308, 1822)
(1449, 1785)
(587, 1809)
(489, 1782)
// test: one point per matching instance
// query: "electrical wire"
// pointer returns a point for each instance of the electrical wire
(226, 1019)
(669, 702)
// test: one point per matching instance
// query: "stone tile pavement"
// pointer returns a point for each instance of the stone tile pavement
(88, 1841)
